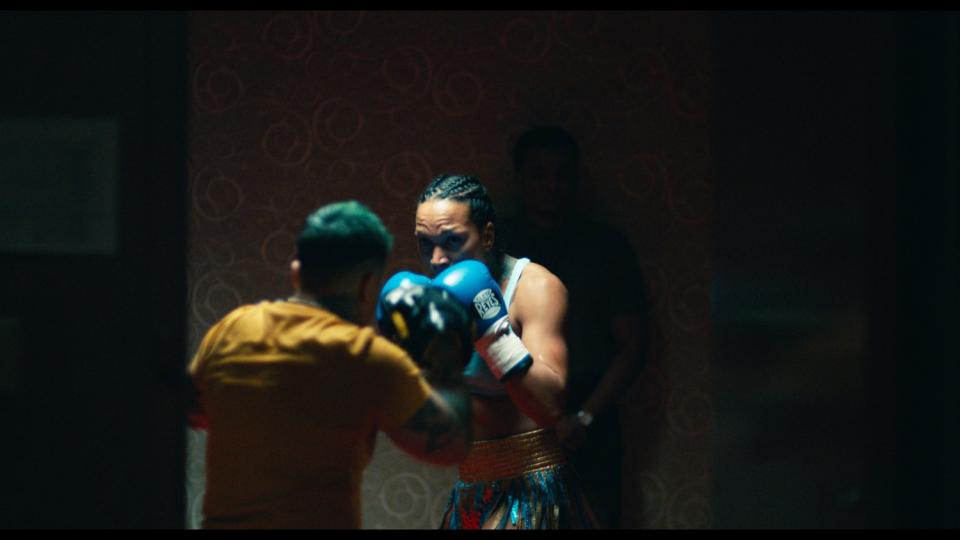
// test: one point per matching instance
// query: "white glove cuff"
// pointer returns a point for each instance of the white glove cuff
(501, 348)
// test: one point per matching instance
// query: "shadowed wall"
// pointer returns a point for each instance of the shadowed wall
(834, 292)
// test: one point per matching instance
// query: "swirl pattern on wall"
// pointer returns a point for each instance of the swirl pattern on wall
(292, 110)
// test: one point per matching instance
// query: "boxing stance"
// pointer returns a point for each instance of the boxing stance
(292, 392)
(515, 475)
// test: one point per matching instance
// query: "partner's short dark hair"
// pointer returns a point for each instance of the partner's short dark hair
(339, 238)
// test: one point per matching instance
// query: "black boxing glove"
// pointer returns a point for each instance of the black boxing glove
(432, 326)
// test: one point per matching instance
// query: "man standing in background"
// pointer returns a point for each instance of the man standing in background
(606, 331)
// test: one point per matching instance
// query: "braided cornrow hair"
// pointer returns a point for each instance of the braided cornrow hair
(465, 189)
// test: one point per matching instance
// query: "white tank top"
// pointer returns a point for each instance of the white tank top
(477, 375)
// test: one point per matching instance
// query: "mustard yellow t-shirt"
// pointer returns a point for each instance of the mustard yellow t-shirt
(294, 396)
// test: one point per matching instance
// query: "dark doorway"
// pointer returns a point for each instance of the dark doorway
(92, 276)
(835, 292)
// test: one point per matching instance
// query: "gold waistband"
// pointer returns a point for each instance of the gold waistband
(512, 456)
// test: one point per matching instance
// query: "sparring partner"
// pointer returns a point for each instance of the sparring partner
(516, 474)
(294, 391)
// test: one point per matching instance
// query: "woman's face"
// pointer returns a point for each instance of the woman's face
(445, 234)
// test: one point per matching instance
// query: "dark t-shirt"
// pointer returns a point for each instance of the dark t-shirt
(599, 268)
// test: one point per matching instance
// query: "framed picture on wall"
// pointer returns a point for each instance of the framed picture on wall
(58, 185)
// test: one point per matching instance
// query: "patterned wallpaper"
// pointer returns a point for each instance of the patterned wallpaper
(292, 110)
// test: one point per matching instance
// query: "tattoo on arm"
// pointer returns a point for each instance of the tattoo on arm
(439, 425)
(459, 400)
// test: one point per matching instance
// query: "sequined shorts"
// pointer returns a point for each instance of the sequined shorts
(519, 482)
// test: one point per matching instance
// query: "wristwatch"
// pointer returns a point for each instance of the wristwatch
(584, 418)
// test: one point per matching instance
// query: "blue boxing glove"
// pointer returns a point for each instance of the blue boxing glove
(500, 347)
(402, 278)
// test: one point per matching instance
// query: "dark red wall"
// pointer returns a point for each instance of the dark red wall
(290, 111)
